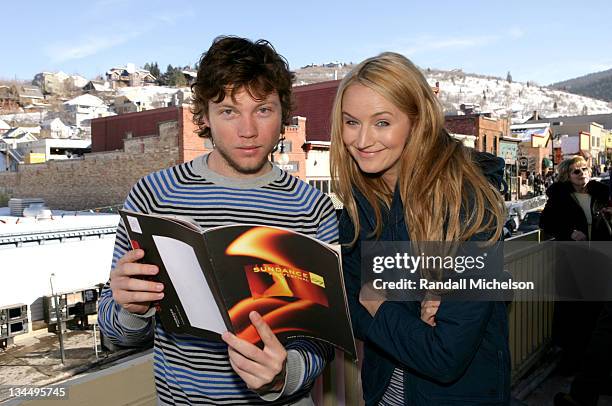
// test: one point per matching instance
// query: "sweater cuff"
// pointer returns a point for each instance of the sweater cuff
(294, 376)
(133, 321)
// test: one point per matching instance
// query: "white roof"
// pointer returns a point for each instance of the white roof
(86, 100)
(529, 126)
(4, 125)
(32, 130)
(19, 133)
(79, 81)
(63, 220)
(138, 93)
(101, 87)
(56, 122)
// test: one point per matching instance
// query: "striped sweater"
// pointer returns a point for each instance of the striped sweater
(188, 369)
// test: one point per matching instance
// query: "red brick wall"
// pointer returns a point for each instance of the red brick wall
(315, 102)
(491, 129)
(108, 133)
(297, 135)
(461, 124)
(480, 126)
(191, 145)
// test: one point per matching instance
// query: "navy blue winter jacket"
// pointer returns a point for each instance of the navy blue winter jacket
(463, 360)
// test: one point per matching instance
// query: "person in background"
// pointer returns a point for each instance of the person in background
(577, 210)
(576, 204)
(402, 177)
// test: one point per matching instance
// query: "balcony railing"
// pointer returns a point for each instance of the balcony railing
(131, 382)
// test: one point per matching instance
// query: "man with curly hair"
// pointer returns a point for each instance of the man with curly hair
(241, 101)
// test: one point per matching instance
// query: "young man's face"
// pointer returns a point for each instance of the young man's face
(244, 132)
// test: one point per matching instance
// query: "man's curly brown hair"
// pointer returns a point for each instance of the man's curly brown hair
(234, 63)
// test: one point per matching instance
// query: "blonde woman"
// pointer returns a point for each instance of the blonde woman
(401, 177)
(576, 208)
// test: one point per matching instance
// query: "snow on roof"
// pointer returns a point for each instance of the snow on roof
(62, 220)
(32, 130)
(521, 127)
(61, 74)
(137, 93)
(25, 117)
(4, 125)
(20, 132)
(86, 100)
(525, 133)
(30, 91)
(53, 122)
(101, 87)
(78, 80)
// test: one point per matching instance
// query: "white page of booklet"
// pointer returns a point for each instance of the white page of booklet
(190, 284)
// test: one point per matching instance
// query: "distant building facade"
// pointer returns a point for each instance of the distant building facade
(129, 76)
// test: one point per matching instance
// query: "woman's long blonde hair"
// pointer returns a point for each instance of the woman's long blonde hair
(445, 195)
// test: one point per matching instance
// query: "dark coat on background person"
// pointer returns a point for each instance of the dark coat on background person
(579, 271)
(464, 359)
(563, 214)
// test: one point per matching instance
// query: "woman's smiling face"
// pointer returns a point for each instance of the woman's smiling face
(374, 131)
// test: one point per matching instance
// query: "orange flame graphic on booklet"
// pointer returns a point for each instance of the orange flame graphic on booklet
(280, 320)
(285, 295)
(259, 242)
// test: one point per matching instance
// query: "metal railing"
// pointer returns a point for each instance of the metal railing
(530, 326)
(530, 323)
(17, 239)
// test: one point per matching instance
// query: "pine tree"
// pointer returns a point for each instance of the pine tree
(509, 77)
(155, 70)
(178, 78)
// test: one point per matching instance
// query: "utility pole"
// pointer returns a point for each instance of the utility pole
(58, 319)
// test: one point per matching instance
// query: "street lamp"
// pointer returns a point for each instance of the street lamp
(283, 157)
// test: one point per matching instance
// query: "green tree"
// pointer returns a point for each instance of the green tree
(173, 77)
(153, 69)
(178, 78)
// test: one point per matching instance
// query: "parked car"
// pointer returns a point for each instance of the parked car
(531, 221)
(511, 225)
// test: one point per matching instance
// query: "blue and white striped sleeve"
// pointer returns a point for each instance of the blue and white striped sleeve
(120, 326)
(328, 222)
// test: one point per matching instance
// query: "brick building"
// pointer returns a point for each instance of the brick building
(487, 130)
(109, 133)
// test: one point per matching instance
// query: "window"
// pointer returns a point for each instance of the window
(494, 146)
(484, 143)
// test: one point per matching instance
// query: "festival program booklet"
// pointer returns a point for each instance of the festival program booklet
(213, 279)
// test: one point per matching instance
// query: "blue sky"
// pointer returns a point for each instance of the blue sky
(542, 41)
